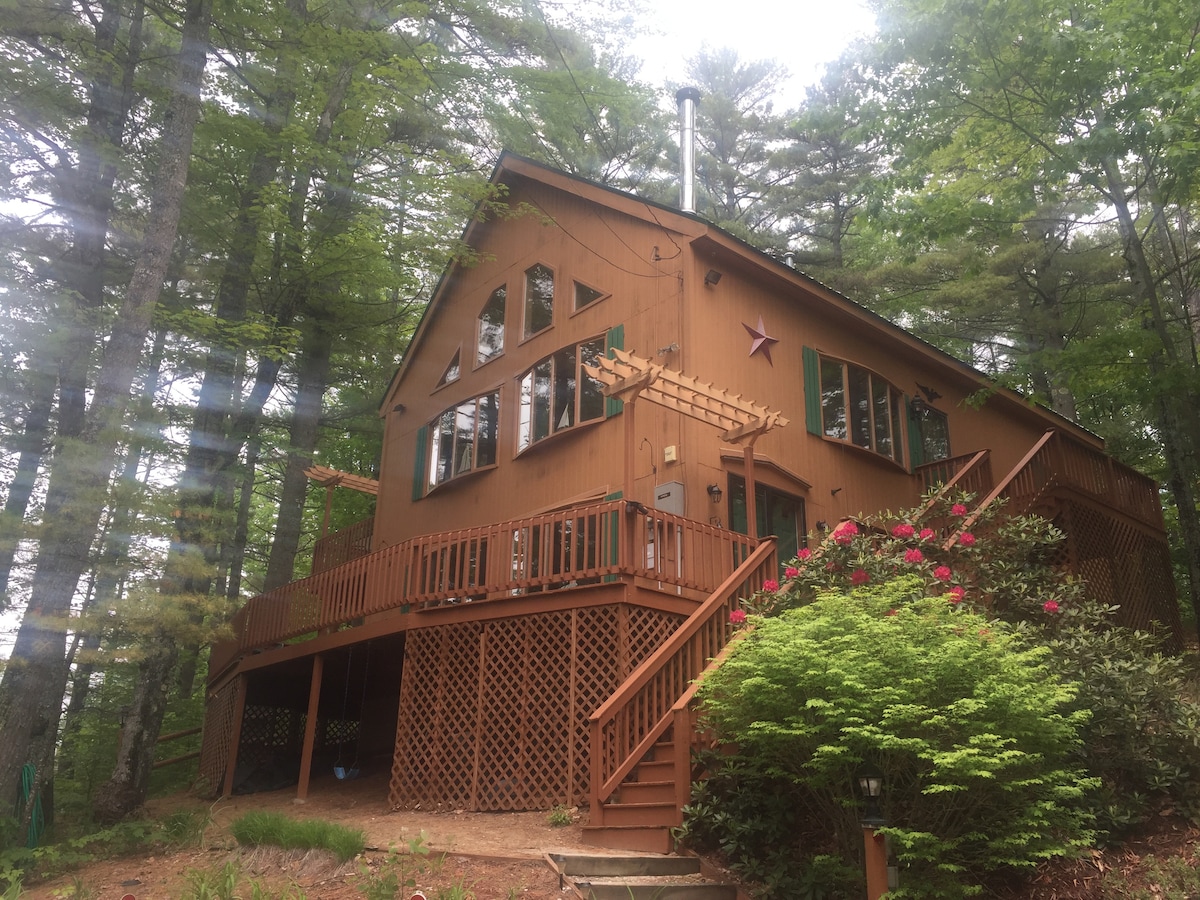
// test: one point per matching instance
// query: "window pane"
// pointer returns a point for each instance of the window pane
(935, 435)
(445, 446)
(897, 418)
(859, 406)
(539, 299)
(564, 389)
(525, 413)
(585, 295)
(881, 414)
(491, 326)
(591, 391)
(541, 400)
(452, 371)
(486, 429)
(464, 438)
(833, 399)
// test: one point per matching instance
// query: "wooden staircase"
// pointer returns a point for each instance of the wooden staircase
(599, 877)
(642, 736)
(644, 809)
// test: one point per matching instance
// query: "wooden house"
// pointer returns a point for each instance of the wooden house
(611, 424)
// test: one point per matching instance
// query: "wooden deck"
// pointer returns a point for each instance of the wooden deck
(608, 541)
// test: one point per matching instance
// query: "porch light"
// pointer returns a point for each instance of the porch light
(712, 277)
(870, 786)
(714, 492)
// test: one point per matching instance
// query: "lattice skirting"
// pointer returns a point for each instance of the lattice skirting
(1123, 566)
(494, 715)
(218, 731)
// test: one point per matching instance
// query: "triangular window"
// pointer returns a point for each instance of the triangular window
(452, 370)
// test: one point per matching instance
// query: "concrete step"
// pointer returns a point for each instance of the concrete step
(642, 877)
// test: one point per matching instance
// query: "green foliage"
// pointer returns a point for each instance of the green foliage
(398, 869)
(1140, 740)
(974, 732)
(257, 828)
(559, 817)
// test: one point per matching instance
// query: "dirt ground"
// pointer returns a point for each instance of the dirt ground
(495, 855)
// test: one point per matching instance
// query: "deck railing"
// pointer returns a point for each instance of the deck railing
(492, 563)
(970, 472)
(1058, 462)
(343, 546)
(639, 712)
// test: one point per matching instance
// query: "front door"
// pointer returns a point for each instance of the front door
(777, 513)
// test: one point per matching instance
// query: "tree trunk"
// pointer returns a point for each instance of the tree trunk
(34, 682)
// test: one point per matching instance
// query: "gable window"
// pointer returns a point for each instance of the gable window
(539, 299)
(585, 296)
(451, 371)
(490, 337)
(463, 438)
(556, 394)
(861, 408)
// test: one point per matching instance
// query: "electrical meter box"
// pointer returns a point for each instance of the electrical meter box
(668, 497)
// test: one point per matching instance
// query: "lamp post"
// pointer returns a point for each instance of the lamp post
(870, 785)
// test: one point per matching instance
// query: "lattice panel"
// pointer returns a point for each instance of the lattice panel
(1124, 566)
(495, 716)
(434, 765)
(525, 690)
(597, 670)
(214, 746)
(270, 735)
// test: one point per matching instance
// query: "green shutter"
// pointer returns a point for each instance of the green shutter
(614, 538)
(812, 390)
(916, 447)
(614, 340)
(418, 485)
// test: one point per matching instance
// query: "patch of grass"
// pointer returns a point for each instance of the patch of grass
(1163, 878)
(186, 827)
(259, 828)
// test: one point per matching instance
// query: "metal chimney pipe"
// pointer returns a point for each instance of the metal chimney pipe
(687, 98)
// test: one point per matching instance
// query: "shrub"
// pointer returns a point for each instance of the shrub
(971, 727)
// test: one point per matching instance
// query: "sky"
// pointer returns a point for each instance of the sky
(801, 34)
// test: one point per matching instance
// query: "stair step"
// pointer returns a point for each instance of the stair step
(655, 770)
(610, 866)
(647, 792)
(653, 889)
(639, 838)
(662, 813)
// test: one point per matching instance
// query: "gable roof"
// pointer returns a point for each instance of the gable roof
(727, 250)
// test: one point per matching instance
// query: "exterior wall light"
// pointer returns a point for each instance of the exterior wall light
(711, 277)
(714, 492)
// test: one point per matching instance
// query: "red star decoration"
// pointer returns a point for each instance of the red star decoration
(762, 341)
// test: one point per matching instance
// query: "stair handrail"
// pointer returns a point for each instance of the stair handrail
(652, 689)
(1001, 488)
(975, 461)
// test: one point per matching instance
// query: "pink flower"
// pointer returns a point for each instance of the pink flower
(967, 539)
(737, 617)
(845, 532)
(903, 531)
(913, 555)
(958, 510)
(770, 585)
(859, 576)
(957, 591)
(804, 554)
(890, 612)
(954, 599)
(1050, 606)
(830, 566)
(927, 534)
(791, 572)
(943, 573)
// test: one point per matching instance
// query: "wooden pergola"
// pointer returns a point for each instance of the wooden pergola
(330, 478)
(630, 378)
